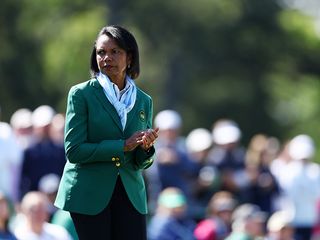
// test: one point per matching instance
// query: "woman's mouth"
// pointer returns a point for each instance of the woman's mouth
(108, 67)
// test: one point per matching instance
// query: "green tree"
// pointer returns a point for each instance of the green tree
(253, 61)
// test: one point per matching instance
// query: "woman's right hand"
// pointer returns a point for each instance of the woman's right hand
(134, 141)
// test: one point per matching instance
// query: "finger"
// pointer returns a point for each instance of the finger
(149, 138)
(155, 132)
(139, 133)
(144, 140)
(151, 133)
(139, 141)
(153, 138)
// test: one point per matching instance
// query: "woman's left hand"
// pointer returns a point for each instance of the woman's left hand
(149, 138)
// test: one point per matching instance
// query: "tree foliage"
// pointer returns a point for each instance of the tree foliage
(253, 61)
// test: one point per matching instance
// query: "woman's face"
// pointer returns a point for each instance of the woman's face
(112, 60)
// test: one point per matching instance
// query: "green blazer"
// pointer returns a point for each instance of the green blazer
(94, 142)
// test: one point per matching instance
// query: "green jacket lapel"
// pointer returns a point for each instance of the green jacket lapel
(133, 111)
(106, 104)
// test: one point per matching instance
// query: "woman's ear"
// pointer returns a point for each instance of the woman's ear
(129, 60)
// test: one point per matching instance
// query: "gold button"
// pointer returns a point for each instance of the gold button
(118, 164)
(113, 159)
(117, 159)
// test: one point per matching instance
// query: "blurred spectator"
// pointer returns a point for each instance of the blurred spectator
(5, 233)
(170, 123)
(48, 185)
(303, 188)
(281, 168)
(206, 179)
(45, 156)
(34, 225)
(248, 223)
(57, 129)
(10, 159)
(279, 226)
(63, 219)
(262, 186)
(21, 122)
(316, 228)
(228, 156)
(172, 167)
(217, 224)
(170, 220)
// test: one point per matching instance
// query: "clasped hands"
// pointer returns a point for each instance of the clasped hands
(144, 138)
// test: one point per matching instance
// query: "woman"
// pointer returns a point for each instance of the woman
(108, 142)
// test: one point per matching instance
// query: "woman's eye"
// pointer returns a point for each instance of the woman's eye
(100, 52)
(115, 51)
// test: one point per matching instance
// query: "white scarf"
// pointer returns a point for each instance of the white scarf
(124, 100)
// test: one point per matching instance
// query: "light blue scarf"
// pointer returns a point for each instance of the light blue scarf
(124, 100)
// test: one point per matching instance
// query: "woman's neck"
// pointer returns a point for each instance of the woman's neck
(119, 81)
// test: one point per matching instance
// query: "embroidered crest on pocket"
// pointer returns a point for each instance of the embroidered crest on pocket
(142, 115)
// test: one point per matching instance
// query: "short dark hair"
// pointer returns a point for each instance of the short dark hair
(126, 41)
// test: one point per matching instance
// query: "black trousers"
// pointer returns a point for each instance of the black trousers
(118, 221)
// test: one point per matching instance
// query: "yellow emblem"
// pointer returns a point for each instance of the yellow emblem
(142, 115)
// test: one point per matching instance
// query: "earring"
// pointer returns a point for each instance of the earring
(128, 66)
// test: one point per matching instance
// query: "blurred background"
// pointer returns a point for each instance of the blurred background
(256, 62)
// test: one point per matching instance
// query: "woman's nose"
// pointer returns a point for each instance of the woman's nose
(107, 57)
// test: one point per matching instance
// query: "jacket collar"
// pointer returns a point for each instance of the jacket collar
(110, 108)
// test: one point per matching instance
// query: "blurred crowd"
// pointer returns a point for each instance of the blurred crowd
(204, 186)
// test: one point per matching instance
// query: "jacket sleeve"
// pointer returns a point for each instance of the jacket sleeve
(77, 147)
(144, 159)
